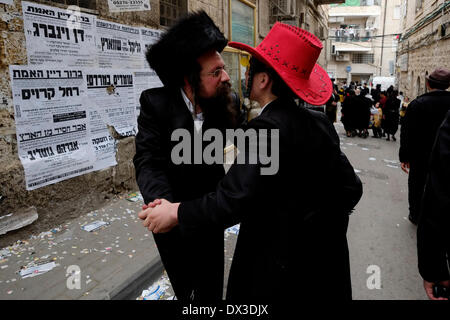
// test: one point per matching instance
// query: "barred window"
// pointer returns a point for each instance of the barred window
(170, 11)
(88, 4)
(363, 58)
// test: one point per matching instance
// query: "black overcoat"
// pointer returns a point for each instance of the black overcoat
(192, 263)
(433, 236)
(391, 115)
(292, 241)
(423, 117)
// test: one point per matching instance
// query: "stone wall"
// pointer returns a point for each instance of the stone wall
(425, 48)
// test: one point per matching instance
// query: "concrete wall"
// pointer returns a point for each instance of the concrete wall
(424, 48)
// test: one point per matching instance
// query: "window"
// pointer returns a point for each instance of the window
(88, 4)
(397, 12)
(242, 22)
(170, 11)
(363, 58)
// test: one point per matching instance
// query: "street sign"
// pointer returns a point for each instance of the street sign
(348, 69)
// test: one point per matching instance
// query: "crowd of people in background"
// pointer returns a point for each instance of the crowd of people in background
(364, 109)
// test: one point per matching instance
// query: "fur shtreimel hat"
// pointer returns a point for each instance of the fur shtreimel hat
(174, 55)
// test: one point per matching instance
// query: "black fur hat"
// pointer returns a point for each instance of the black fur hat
(174, 55)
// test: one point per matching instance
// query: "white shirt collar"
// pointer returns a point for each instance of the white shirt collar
(260, 111)
(190, 106)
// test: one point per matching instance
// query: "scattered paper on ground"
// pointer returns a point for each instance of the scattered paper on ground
(37, 270)
(94, 225)
(134, 197)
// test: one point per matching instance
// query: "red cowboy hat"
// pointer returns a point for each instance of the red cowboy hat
(292, 52)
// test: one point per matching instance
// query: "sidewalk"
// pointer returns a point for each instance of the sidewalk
(117, 261)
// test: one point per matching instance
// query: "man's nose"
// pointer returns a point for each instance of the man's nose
(225, 76)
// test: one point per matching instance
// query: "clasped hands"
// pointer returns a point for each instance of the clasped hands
(159, 215)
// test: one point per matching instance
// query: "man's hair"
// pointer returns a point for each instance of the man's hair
(437, 85)
(279, 87)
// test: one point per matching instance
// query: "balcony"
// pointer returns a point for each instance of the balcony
(356, 35)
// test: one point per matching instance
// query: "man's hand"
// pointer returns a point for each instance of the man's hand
(160, 218)
(429, 289)
(143, 214)
(405, 167)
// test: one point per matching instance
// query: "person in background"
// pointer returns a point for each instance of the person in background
(391, 116)
(403, 109)
(422, 119)
(331, 106)
(433, 236)
(377, 114)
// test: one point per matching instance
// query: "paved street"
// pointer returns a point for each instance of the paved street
(379, 232)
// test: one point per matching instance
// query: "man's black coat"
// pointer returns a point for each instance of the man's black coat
(193, 260)
(292, 240)
(433, 236)
(423, 117)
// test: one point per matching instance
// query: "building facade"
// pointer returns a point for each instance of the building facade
(424, 44)
(363, 36)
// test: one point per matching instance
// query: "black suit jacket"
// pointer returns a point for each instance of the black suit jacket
(193, 260)
(293, 224)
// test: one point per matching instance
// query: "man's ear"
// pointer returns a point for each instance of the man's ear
(265, 80)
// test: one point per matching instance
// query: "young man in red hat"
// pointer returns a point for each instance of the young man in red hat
(292, 240)
(196, 94)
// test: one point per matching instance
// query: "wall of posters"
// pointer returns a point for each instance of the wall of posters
(113, 93)
(52, 124)
(144, 80)
(148, 38)
(118, 46)
(128, 5)
(59, 36)
(84, 74)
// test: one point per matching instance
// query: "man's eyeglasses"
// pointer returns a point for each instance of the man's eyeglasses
(216, 73)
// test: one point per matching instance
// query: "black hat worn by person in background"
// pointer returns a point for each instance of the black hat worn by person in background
(173, 56)
(440, 76)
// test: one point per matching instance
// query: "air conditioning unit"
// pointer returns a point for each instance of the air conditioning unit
(343, 57)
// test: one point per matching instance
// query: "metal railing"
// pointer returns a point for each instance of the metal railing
(351, 35)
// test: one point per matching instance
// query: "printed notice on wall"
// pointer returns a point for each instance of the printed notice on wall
(118, 46)
(113, 93)
(143, 80)
(10, 2)
(59, 36)
(148, 38)
(52, 124)
(128, 5)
